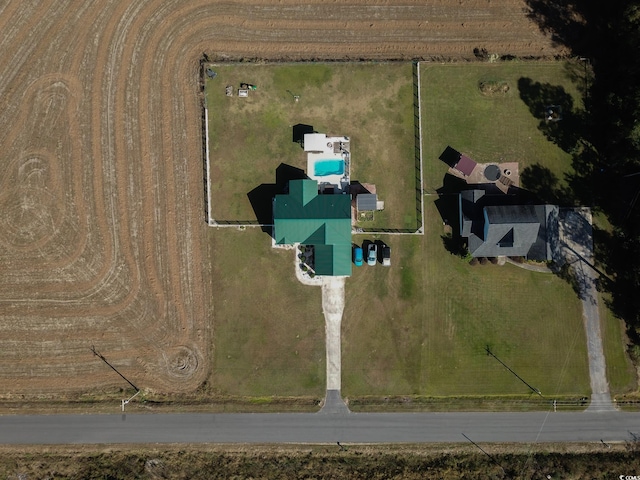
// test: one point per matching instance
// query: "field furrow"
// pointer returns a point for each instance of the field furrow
(102, 233)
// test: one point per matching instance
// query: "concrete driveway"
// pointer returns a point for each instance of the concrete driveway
(576, 247)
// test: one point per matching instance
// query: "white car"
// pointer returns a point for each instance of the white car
(386, 255)
(372, 254)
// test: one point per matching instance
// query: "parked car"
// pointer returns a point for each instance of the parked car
(358, 259)
(372, 254)
(386, 255)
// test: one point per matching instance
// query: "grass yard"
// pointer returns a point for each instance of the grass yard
(429, 318)
(494, 127)
(421, 327)
(268, 336)
(620, 371)
(249, 137)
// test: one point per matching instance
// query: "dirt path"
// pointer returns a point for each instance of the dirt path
(101, 206)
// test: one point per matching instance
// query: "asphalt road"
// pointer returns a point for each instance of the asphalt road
(319, 428)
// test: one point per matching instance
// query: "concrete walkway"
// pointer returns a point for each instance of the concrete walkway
(528, 266)
(576, 240)
(333, 306)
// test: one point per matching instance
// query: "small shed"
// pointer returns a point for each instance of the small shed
(367, 202)
(315, 142)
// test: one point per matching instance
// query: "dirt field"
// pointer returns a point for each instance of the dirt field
(101, 205)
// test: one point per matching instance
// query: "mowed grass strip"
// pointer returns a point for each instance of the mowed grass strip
(268, 329)
(372, 104)
(422, 326)
(620, 371)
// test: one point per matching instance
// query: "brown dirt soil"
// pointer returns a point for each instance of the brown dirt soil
(353, 461)
(101, 206)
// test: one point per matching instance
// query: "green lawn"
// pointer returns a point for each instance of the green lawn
(496, 127)
(370, 103)
(431, 315)
(268, 329)
(421, 327)
(620, 371)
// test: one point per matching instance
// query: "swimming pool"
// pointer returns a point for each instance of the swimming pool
(323, 168)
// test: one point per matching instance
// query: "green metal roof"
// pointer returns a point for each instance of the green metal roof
(324, 221)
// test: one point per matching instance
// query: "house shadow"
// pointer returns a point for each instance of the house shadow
(356, 188)
(448, 208)
(299, 131)
(261, 197)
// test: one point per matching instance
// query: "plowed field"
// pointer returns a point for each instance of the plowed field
(102, 225)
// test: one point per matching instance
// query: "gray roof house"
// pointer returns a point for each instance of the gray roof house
(493, 228)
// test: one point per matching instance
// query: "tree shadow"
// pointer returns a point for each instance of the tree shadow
(261, 197)
(544, 185)
(619, 254)
(567, 22)
(605, 35)
(566, 127)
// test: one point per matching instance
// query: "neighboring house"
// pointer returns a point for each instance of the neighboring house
(323, 221)
(493, 228)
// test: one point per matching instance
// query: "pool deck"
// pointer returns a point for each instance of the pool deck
(321, 147)
(508, 171)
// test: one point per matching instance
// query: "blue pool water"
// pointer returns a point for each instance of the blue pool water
(322, 168)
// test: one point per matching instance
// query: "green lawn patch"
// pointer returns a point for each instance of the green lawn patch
(493, 125)
(268, 329)
(430, 339)
(620, 371)
(422, 326)
(372, 104)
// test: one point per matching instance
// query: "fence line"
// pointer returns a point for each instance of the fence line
(421, 226)
(210, 220)
(418, 161)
